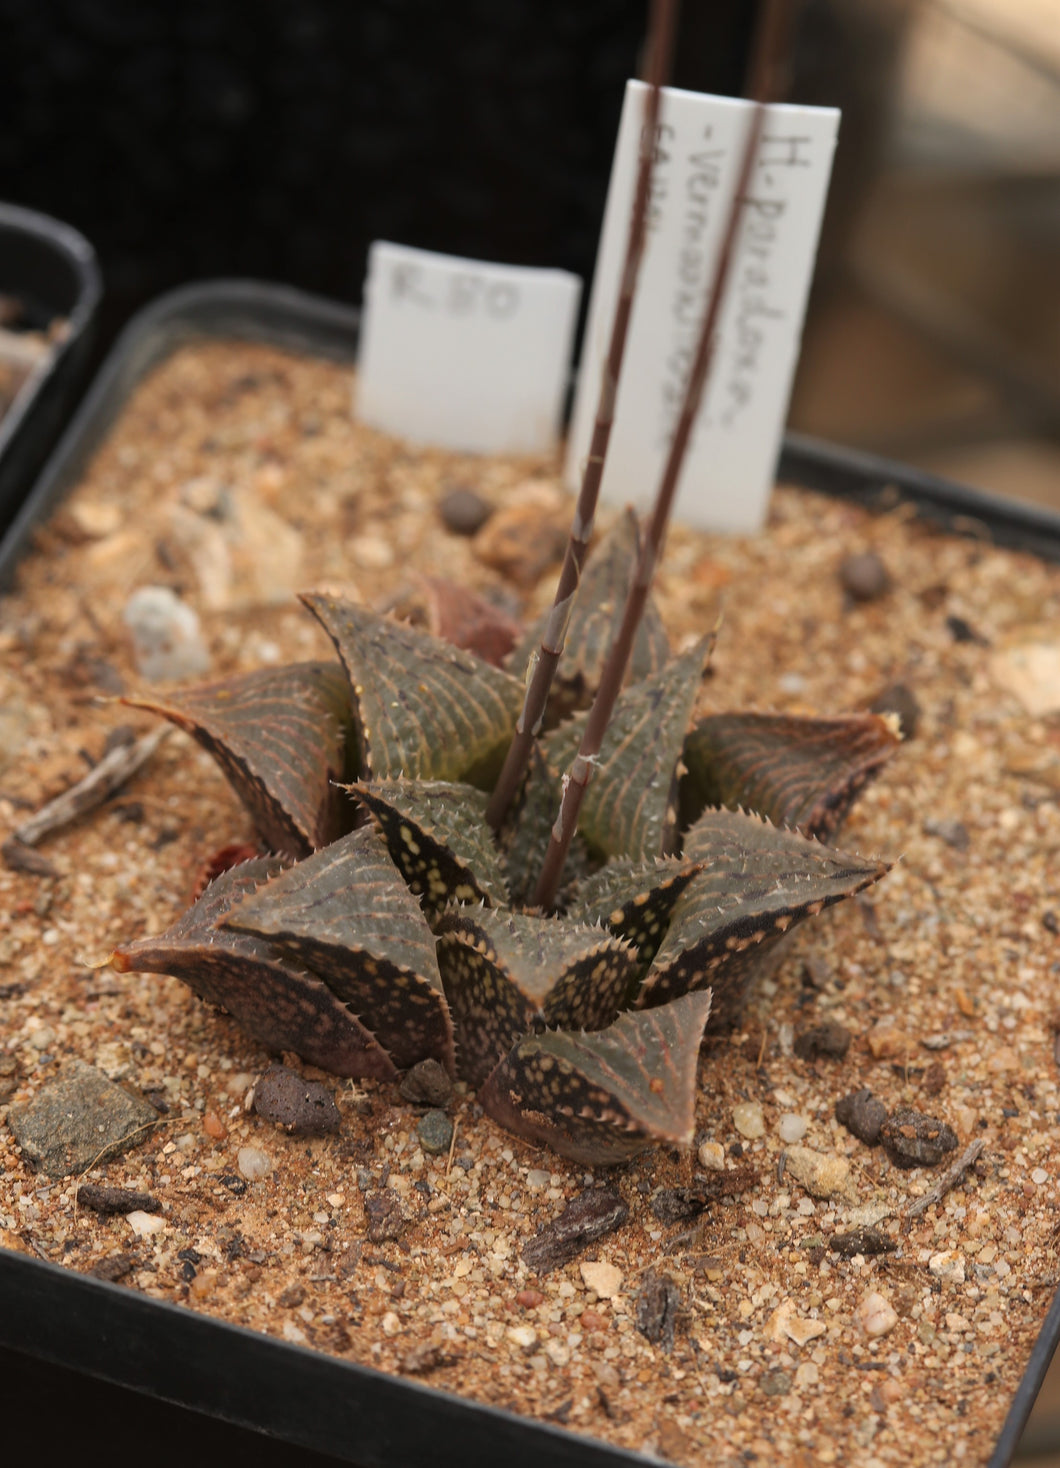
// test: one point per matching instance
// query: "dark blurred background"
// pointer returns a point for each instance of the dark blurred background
(196, 138)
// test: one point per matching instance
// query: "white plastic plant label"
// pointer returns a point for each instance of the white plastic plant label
(465, 354)
(728, 473)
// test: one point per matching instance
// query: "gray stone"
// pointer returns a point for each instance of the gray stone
(167, 637)
(435, 1132)
(78, 1119)
(463, 511)
(427, 1083)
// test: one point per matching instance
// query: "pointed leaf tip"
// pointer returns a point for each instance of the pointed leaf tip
(800, 772)
(424, 708)
(275, 999)
(280, 738)
(601, 1098)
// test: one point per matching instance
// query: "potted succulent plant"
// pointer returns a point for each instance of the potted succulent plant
(389, 920)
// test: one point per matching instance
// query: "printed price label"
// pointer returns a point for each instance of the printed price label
(728, 473)
(465, 354)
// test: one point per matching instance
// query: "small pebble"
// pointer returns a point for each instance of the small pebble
(822, 1174)
(947, 1265)
(863, 576)
(888, 1042)
(253, 1163)
(862, 1115)
(748, 1120)
(391, 1323)
(784, 1324)
(712, 1156)
(144, 1225)
(913, 1139)
(435, 1132)
(537, 1178)
(792, 1128)
(167, 637)
(303, 1108)
(427, 1083)
(776, 1383)
(463, 511)
(876, 1315)
(214, 1127)
(524, 1336)
(605, 1279)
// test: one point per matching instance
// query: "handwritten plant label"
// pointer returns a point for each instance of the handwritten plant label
(728, 473)
(465, 354)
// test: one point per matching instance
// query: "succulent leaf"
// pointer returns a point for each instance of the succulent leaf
(436, 833)
(506, 973)
(630, 806)
(799, 772)
(634, 899)
(603, 1097)
(594, 620)
(757, 883)
(424, 709)
(346, 913)
(280, 736)
(277, 1001)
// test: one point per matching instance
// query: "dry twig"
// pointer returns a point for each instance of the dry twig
(545, 662)
(768, 54)
(949, 1179)
(101, 782)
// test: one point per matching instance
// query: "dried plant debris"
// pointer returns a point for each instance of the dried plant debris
(369, 948)
(586, 1218)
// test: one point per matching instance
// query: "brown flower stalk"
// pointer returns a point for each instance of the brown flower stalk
(543, 666)
(768, 53)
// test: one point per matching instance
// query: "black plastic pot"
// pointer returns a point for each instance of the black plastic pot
(53, 270)
(119, 1360)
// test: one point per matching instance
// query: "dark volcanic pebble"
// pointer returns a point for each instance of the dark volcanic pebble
(585, 1219)
(427, 1083)
(305, 1108)
(435, 1132)
(862, 1115)
(915, 1140)
(898, 699)
(464, 512)
(863, 576)
(829, 1040)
